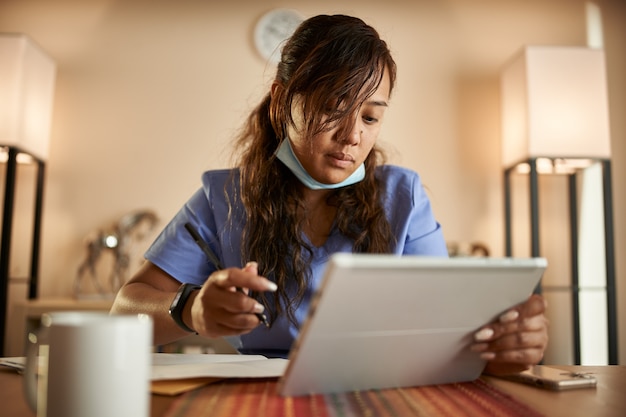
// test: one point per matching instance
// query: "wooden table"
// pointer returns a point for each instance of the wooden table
(608, 399)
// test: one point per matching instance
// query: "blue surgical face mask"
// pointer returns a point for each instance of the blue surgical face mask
(288, 157)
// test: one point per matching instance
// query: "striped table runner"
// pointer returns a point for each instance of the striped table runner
(258, 398)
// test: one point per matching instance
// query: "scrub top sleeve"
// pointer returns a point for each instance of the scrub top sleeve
(175, 251)
(424, 234)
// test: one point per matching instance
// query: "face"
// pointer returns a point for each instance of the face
(333, 155)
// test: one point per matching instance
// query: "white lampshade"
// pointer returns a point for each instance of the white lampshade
(27, 77)
(555, 105)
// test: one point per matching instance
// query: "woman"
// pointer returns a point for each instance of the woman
(310, 181)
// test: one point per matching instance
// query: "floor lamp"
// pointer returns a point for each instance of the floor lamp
(27, 77)
(556, 122)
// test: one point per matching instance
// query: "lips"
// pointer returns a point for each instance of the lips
(341, 156)
(340, 160)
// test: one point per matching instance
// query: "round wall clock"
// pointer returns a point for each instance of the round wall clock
(272, 29)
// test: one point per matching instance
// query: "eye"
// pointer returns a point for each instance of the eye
(369, 119)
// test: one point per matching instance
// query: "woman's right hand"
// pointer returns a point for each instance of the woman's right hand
(218, 309)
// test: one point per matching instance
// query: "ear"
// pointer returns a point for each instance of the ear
(274, 89)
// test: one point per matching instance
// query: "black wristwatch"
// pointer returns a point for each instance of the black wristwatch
(176, 308)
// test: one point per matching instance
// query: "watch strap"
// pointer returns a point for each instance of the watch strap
(178, 304)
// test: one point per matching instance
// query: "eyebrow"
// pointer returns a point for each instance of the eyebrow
(377, 103)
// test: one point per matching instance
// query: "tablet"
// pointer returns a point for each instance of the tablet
(384, 321)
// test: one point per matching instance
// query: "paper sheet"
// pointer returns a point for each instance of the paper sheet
(178, 386)
(174, 373)
(169, 366)
(17, 363)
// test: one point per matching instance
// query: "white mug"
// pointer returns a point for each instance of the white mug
(90, 364)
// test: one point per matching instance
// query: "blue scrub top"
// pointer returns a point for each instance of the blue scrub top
(406, 204)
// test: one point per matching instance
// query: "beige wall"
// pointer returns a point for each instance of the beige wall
(149, 94)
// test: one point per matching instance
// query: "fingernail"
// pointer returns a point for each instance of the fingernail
(509, 316)
(221, 275)
(487, 356)
(259, 308)
(484, 334)
(252, 264)
(271, 286)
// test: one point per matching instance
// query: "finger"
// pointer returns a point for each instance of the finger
(535, 305)
(237, 301)
(232, 302)
(237, 278)
(230, 325)
(238, 323)
(525, 316)
(535, 323)
(515, 341)
(524, 348)
(535, 335)
(226, 312)
(519, 340)
(220, 300)
(529, 356)
(252, 268)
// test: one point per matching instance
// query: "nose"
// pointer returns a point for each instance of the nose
(350, 133)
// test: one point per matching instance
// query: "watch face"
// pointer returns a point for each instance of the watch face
(272, 29)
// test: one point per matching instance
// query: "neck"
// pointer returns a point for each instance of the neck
(314, 198)
(319, 216)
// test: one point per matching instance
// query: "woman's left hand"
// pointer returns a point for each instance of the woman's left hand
(517, 340)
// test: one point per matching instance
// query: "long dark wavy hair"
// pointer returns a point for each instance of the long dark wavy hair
(331, 64)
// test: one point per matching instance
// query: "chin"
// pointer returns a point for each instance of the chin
(332, 181)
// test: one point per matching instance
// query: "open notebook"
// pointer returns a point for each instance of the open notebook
(382, 321)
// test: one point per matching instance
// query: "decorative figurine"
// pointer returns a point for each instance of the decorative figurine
(118, 240)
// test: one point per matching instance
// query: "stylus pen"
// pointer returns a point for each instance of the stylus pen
(216, 262)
